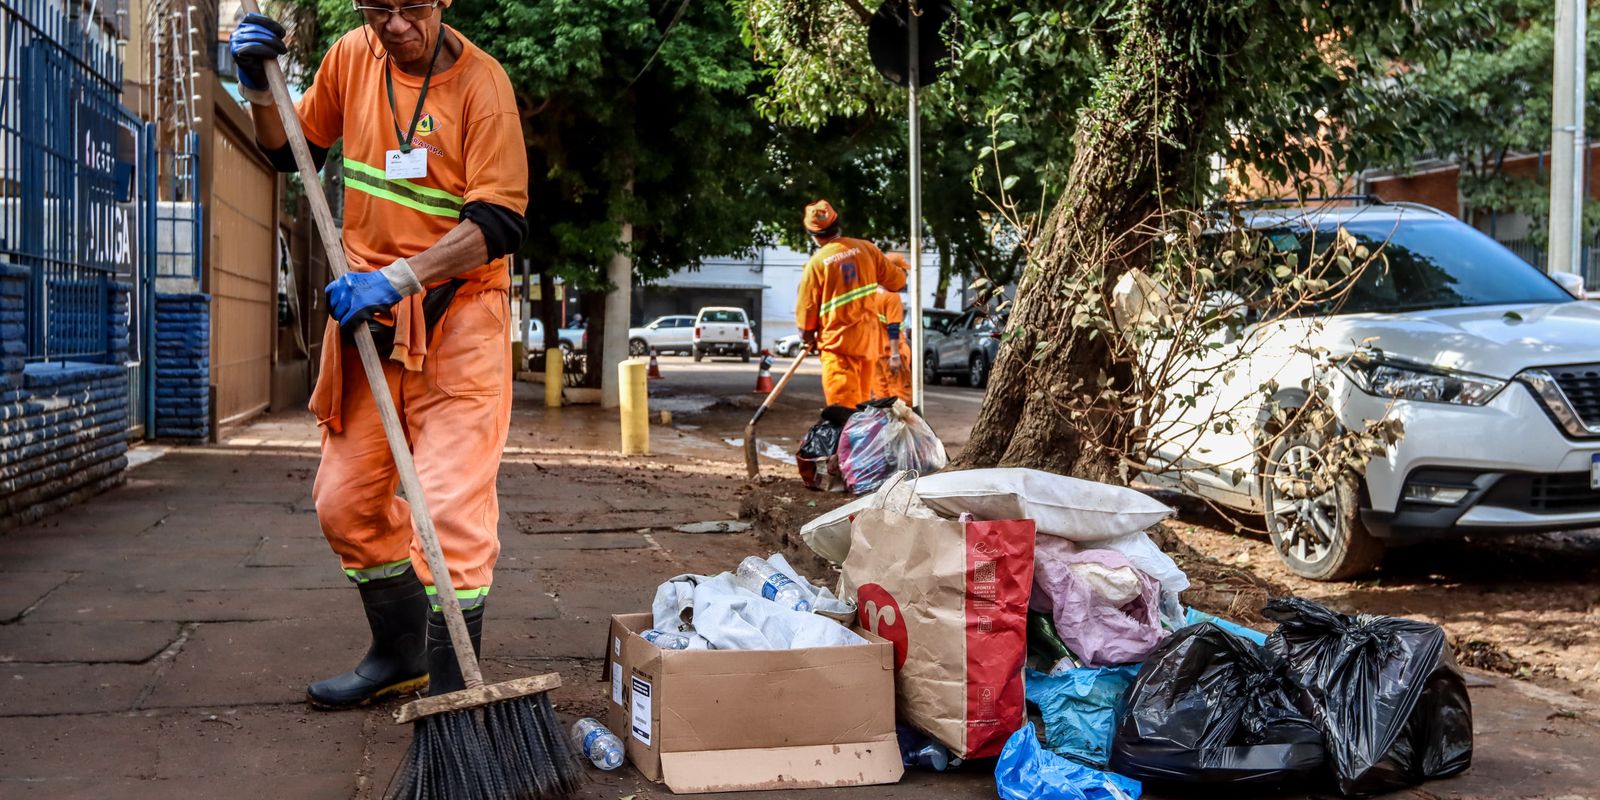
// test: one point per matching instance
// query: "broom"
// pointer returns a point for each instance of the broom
(488, 742)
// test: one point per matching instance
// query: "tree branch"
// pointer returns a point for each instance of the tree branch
(861, 10)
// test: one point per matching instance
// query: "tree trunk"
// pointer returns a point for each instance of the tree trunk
(549, 309)
(594, 315)
(947, 266)
(1134, 154)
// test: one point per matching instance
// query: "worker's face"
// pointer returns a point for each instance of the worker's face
(408, 36)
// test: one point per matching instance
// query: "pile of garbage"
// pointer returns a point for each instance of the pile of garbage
(1014, 592)
(858, 449)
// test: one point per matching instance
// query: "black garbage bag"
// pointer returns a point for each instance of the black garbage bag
(1385, 691)
(1210, 707)
(817, 458)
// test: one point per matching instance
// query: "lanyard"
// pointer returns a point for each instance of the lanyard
(416, 116)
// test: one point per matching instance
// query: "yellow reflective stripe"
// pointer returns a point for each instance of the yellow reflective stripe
(361, 184)
(468, 598)
(426, 191)
(389, 570)
(849, 297)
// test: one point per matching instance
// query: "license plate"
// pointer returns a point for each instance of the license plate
(1594, 471)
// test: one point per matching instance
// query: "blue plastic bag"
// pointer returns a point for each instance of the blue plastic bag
(1080, 709)
(1027, 771)
(1194, 616)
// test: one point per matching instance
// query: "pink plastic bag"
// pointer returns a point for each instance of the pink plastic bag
(1105, 609)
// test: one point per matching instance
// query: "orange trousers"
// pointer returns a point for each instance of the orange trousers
(456, 413)
(846, 379)
(897, 384)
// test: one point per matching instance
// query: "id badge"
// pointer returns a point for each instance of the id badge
(406, 165)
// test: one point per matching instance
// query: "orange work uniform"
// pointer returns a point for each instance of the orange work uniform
(884, 382)
(836, 300)
(452, 387)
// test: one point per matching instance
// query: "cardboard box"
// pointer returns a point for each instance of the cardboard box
(730, 720)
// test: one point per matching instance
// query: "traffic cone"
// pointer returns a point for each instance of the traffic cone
(655, 369)
(764, 376)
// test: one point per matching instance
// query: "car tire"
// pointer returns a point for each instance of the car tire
(638, 347)
(930, 368)
(745, 356)
(699, 355)
(1321, 538)
(978, 371)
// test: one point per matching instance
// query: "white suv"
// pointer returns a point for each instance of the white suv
(1492, 368)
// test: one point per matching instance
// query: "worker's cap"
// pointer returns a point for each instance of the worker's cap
(894, 278)
(821, 219)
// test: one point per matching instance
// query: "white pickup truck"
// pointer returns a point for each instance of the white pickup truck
(723, 332)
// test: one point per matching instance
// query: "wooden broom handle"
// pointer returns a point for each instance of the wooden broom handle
(337, 264)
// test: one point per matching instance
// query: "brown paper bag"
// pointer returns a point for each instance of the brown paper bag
(953, 599)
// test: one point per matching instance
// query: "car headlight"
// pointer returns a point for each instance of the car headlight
(1407, 382)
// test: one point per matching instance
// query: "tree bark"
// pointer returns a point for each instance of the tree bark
(941, 294)
(1135, 153)
(549, 309)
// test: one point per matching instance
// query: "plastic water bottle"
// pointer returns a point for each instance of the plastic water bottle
(597, 744)
(666, 640)
(756, 575)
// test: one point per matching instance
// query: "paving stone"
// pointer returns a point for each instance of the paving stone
(334, 786)
(516, 541)
(210, 574)
(547, 638)
(42, 748)
(108, 604)
(267, 742)
(20, 590)
(85, 642)
(294, 551)
(37, 689)
(238, 663)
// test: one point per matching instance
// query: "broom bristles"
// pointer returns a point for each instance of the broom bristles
(510, 750)
(531, 749)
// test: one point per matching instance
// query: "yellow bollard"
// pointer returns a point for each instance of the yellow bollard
(552, 378)
(634, 401)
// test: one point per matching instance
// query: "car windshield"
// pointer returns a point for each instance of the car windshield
(726, 315)
(1431, 264)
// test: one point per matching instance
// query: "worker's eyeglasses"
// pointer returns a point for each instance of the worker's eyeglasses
(377, 16)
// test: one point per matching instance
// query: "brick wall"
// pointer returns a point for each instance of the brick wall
(63, 427)
(183, 366)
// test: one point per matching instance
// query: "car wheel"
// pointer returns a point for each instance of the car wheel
(930, 369)
(1315, 521)
(699, 355)
(978, 371)
(745, 356)
(638, 347)
(566, 347)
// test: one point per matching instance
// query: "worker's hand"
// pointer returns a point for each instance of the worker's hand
(894, 364)
(355, 297)
(809, 338)
(257, 39)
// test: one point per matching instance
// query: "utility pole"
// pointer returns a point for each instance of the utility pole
(915, 136)
(1567, 143)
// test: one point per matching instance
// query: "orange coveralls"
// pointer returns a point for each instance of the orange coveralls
(452, 388)
(836, 300)
(891, 311)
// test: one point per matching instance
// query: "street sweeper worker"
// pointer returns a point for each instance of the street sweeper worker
(836, 312)
(891, 376)
(435, 192)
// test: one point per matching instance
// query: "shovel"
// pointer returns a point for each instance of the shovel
(752, 467)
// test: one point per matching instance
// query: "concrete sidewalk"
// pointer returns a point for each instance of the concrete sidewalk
(156, 640)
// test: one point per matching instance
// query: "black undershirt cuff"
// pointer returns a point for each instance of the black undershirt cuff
(282, 157)
(503, 229)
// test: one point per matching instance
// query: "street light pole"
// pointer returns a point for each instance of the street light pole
(1566, 140)
(915, 135)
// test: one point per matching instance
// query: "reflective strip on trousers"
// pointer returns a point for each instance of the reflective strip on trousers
(369, 179)
(468, 598)
(849, 297)
(393, 569)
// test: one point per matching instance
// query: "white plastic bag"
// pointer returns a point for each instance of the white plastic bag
(716, 614)
(878, 442)
(1080, 510)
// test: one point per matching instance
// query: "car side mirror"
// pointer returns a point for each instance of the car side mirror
(1572, 282)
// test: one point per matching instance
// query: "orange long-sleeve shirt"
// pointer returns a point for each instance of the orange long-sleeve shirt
(836, 296)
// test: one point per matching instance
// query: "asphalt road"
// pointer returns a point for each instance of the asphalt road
(716, 397)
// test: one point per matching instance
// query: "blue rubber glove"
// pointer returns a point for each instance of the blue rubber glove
(355, 297)
(257, 39)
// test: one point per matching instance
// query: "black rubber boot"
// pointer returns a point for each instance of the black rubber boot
(396, 663)
(444, 673)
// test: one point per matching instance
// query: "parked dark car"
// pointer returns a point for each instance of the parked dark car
(964, 346)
